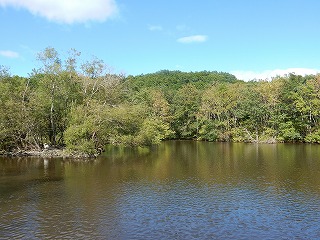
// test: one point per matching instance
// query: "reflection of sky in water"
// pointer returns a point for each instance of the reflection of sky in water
(179, 190)
(217, 211)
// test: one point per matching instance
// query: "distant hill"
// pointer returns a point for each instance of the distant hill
(174, 80)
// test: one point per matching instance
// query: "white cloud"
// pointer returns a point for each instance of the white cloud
(9, 54)
(155, 28)
(192, 39)
(269, 74)
(67, 11)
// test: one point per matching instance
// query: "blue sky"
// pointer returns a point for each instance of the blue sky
(249, 38)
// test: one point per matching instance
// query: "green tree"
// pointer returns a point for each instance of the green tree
(219, 111)
(51, 70)
(185, 107)
(13, 117)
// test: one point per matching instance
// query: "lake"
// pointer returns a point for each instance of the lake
(178, 190)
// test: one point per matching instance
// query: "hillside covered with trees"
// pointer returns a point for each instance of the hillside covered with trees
(84, 107)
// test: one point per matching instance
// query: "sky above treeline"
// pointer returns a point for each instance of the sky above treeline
(248, 38)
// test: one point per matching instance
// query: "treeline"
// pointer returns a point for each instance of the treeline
(85, 107)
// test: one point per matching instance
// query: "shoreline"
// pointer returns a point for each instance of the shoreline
(47, 153)
(63, 153)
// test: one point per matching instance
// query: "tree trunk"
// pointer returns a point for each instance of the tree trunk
(52, 123)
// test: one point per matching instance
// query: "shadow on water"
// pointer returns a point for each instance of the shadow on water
(19, 173)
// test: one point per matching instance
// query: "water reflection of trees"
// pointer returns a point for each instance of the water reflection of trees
(210, 163)
(297, 165)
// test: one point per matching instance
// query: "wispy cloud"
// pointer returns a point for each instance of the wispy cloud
(9, 54)
(155, 28)
(269, 74)
(193, 38)
(67, 11)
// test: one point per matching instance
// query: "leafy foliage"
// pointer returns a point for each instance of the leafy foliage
(87, 107)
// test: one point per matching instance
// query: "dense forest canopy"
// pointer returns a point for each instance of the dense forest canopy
(85, 107)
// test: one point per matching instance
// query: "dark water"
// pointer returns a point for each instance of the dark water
(180, 190)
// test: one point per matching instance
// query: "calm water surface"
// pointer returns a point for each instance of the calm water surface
(179, 190)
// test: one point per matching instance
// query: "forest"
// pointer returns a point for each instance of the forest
(83, 106)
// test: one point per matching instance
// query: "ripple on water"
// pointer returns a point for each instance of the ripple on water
(91, 206)
(187, 210)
